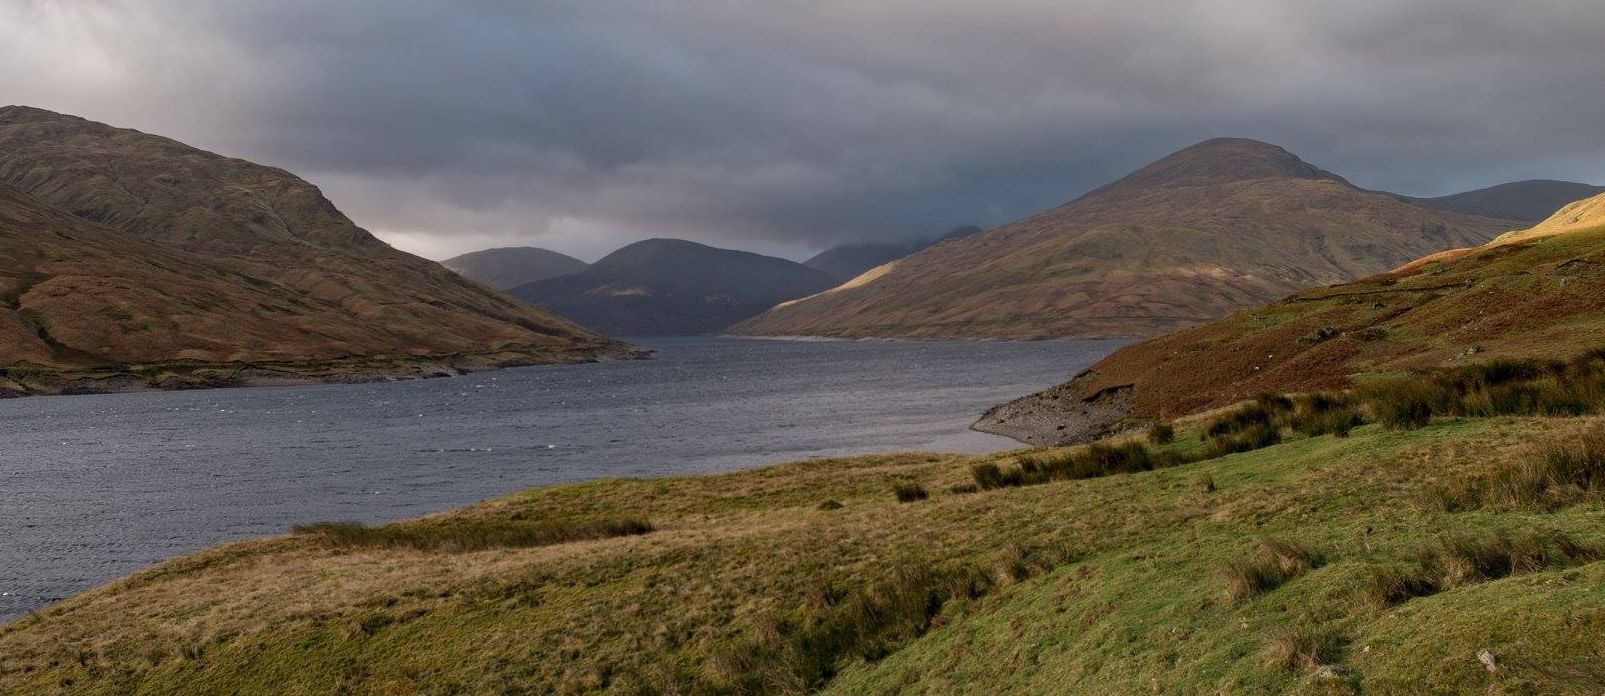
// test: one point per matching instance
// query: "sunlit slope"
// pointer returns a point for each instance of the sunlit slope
(1535, 293)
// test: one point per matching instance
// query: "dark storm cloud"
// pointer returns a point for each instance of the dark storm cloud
(788, 124)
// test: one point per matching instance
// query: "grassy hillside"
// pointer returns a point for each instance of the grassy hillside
(1534, 293)
(1322, 565)
(1221, 226)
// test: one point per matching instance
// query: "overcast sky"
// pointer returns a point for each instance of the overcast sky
(785, 125)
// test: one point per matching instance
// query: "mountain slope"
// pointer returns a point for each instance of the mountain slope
(1219, 226)
(260, 267)
(1528, 201)
(847, 261)
(670, 286)
(509, 267)
(1535, 293)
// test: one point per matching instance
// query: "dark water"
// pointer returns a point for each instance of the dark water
(93, 487)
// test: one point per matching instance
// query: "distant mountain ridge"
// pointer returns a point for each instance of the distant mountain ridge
(673, 287)
(847, 261)
(1223, 225)
(1528, 201)
(506, 268)
(130, 250)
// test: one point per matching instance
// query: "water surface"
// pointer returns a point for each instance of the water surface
(94, 487)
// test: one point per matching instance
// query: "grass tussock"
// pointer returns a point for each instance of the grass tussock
(1161, 433)
(1560, 475)
(909, 492)
(1093, 461)
(1304, 647)
(1495, 388)
(1325, 414)
(1462, 559)
(466, 536)
(801, 650)
(1273, 563)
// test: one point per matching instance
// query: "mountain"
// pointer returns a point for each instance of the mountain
(509, 267)
(1528, 201)
(1537, 293)
(134, 260)
(1220, 226)
(847, 261)
(670, 286)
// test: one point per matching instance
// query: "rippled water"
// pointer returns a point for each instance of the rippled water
(93, 487)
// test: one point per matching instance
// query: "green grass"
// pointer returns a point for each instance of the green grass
(810, 577)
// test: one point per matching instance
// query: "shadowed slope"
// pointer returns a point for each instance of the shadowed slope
(670, 286)
(848, 261)
(1528, 201)
(510, 267)
(1219, 226)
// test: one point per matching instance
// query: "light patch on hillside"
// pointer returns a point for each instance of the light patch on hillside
(861, 280)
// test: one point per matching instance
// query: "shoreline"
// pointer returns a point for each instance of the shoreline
(32, 381)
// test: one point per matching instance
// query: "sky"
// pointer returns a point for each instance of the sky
(785, 126)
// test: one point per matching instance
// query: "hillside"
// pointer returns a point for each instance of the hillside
(1317, 566)
(1528, 201)
(509, 267)
(670, 286)
(134, 260)
(1220, 226)
(848, 261)
(1534, 293)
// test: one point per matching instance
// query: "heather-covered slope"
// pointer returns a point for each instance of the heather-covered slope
(1534, 293)
(671, 286)
(509, 267)
(1224, 225)
(130, 249)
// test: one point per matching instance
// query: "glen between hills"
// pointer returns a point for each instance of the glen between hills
(1224, 225)
(1538, 293)
(137, 261)
(673, 287)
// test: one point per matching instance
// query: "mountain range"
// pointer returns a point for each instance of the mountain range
(671, 286)
(1224, 225)
(506, 268)
(1536, 293)
(134, 260)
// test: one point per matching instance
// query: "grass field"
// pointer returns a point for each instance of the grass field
(1323, 565)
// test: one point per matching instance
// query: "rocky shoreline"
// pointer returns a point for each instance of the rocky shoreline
(1060, 416)
(29, 380)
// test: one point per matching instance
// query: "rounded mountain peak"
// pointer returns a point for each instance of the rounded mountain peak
(1223, 160)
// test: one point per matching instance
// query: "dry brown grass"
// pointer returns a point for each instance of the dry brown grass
(1273, 563)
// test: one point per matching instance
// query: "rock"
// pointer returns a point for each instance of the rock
(1328, 672)
(1486, 657)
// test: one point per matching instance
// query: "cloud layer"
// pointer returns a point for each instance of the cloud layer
(784, 126)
